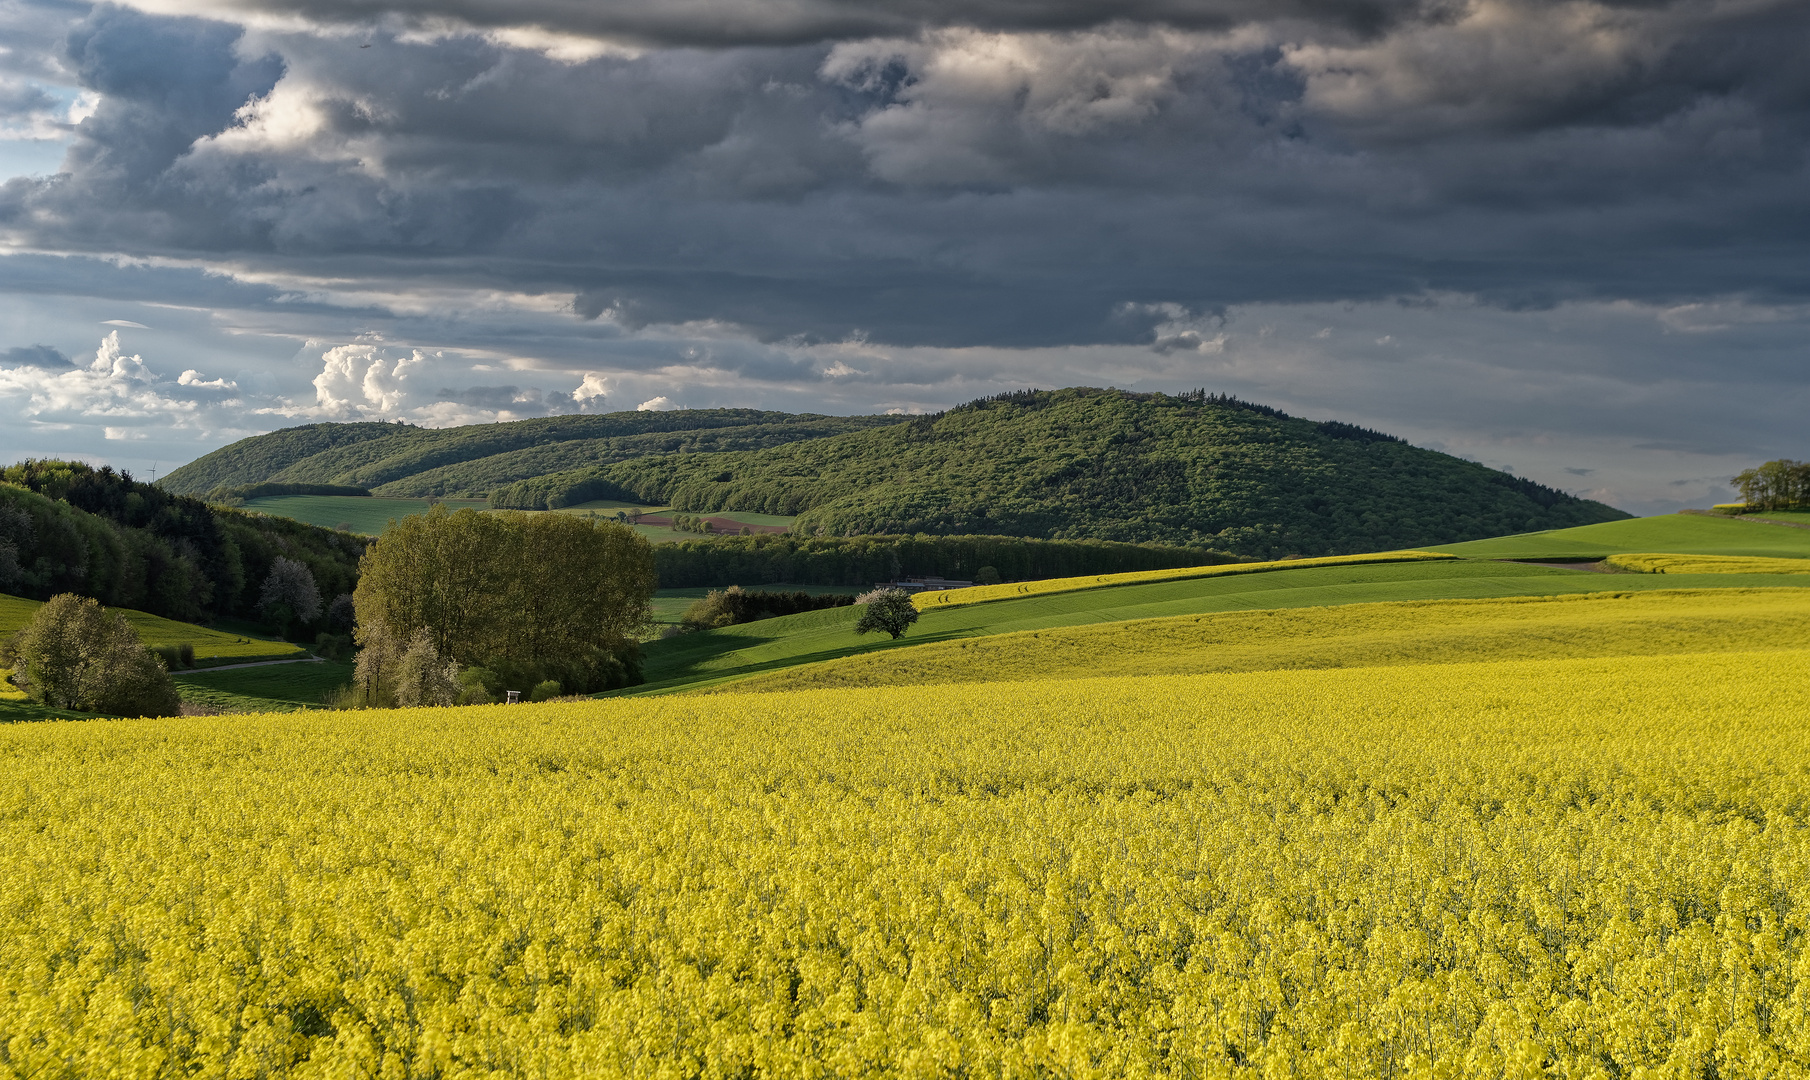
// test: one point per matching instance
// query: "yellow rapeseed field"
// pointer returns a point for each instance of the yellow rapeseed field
(1573, 868)
(1707, 564)
(1661, 622)
(1012, 590)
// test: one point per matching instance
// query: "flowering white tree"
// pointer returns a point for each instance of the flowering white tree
(289, 594)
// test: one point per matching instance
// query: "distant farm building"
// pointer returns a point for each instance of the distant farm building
(923, 584)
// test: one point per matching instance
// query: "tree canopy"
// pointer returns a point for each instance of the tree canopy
(68, 527)
(534, 596)
(1776, 485)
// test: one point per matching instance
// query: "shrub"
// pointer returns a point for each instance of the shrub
(986, 575)
(331, 646)
(478, 686)
(728, 607)
(544, 691)
(75, 654)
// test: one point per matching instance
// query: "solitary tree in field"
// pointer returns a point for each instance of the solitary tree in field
(888, 610)
(75, 654)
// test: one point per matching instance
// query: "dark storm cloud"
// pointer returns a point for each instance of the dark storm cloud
(720, 23)
(42, 357)
(1011, 174)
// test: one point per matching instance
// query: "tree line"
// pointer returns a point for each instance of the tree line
(66, 527)
(734, 605)
(1777, 485)
(863, 560)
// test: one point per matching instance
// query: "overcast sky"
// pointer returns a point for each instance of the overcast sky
(1568, 239)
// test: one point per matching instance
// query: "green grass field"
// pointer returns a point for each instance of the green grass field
(368, 516)
(669, 604)
(1685, 534)
(1801, 517)
(716, 656)
(277, 688)
(212, 647)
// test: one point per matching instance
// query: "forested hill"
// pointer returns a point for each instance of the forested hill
(68, 527)
(1103, 464)
(408, 461)
(1080, 463)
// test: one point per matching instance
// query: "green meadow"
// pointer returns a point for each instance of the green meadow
(212, 647)
(717, 656)
(670, 604)
(276, 688)
(1691, 534)
(358, 514)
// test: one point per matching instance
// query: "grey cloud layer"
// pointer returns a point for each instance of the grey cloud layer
(721, 23)
(1553, 225)
(959, 184)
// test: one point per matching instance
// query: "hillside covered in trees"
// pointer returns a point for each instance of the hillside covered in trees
(411, 462)
(1106, 465)
(1194, 469)
(67, 527)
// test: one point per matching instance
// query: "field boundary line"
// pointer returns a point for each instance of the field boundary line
(982, 594)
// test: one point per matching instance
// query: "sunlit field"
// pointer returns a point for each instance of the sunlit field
(1573, 867)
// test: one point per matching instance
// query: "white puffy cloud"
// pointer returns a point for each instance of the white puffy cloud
(363, 382)
(591, 393)
(116, 390)
(195, 379)
(658, 404)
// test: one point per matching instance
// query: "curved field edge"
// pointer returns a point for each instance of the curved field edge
(1571, 861)
(981, 594)
(1680, 534)
(720, 657)
(1355, 635)
(1642, 563)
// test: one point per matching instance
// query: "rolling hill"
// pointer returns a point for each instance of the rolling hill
(411, 462)
(1192, 469)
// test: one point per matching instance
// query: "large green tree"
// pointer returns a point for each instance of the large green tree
(533, 596)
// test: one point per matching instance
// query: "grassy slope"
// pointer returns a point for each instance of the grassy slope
(1796, 517)
(718, 655)
(278, 688)
(1691, 534)
(1705, 564)
(367, 516)
(210, 645)
(1659, 623)
(987, 594)
(669, 604)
